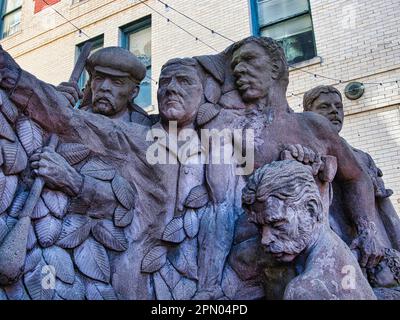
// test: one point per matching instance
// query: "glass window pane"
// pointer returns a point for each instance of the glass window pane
(140, 45)
(11, 5)
(11, 23)
(143, 100)
(295, 36)
(288, 28)
(270, 11)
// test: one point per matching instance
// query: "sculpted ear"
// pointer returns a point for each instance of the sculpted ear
(314, 207)
(135, 92)
(276, 67)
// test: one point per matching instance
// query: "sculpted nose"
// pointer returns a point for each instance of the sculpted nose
(239, 69)
(106, 85)
(267, 237)
(333, 109)
(172, 87)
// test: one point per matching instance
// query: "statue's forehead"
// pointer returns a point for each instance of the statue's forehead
(250, 48)
(328, 96)
(178, 69)
(270, 207)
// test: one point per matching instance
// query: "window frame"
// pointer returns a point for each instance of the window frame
(4, 14)
(257, 27)
(98, 42)
(125, 31)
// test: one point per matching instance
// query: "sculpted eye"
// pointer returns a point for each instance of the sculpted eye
(184, 80)
(279, 223)
(163, 82)
(253, 220)
(118, 82)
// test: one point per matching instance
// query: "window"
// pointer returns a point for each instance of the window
(136, 37)
(10, 17)
(289, 22)
(98, 43)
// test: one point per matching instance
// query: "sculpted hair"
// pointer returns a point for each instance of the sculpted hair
(287, 180)
(188, 62)
(275, 52)
(311, 95)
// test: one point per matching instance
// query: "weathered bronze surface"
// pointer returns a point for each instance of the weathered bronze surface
(107, 202)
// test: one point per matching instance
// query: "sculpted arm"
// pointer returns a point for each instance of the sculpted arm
(358, 193)
(51, 109)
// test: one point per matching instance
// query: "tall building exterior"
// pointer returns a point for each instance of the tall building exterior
(333, 42)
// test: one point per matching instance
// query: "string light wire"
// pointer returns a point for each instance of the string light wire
(213, 32)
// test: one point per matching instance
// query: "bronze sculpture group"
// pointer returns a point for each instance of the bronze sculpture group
(124, 205)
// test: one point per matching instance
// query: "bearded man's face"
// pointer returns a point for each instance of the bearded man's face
(286, 228)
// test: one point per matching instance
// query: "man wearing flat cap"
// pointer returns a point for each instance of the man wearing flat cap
(115, 75)
(114, 78)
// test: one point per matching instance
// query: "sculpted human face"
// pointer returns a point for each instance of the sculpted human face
(251, 67)
(285, 231)
(330, 106)
(111, 95)
(179, 94)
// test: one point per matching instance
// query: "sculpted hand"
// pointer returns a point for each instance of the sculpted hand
(9, 70)
(56, 171)
(371, 252)
(304, 155)
(71, 91)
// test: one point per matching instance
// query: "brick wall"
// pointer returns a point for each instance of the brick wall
(359, 40)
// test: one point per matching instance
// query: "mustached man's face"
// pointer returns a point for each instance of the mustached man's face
(110, 94)
(179, 94)
(251, 68)
(285, 230)
(330, 106)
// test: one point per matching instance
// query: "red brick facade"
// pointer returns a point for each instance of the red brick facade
(41, 4)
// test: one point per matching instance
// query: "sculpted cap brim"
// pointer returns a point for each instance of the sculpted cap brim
(111, 71)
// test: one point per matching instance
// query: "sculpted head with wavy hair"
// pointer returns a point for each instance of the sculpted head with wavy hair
(326, 101)
(261, 71)
(283, 200)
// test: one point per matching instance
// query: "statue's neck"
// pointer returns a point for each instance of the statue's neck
(123, 115)
(276, 99)
(175, 127)
(318, 234)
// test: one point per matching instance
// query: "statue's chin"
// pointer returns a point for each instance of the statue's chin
(104, 109)
(250, 95)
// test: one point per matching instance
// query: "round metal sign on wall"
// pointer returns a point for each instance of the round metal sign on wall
(354, 90)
